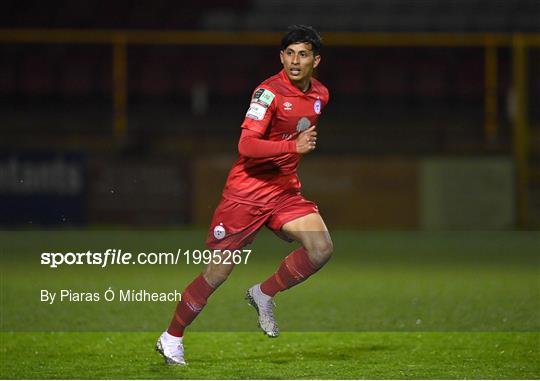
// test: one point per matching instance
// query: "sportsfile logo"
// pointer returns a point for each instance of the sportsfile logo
(121, 257)
(102, 259)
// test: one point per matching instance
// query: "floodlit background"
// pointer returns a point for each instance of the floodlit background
(119, 121)
(128, 113)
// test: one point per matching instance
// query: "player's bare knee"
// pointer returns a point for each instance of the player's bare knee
(215, 279)
(215, 276)
(320, 252)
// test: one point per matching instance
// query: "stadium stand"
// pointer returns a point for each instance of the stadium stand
(405, 100)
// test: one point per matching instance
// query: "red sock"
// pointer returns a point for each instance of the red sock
(295, 268)
(193, 301)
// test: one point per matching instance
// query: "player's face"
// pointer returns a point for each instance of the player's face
(299, 61)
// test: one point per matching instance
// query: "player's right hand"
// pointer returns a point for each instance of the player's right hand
(306, 141)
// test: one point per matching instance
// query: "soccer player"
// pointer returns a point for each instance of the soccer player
(263, 189)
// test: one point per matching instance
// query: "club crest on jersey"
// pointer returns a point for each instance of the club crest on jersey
(287, 106)
(303, 124)
(317, 106)
(219, 231)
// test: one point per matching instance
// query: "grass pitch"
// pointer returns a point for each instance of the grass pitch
(389, 305)
(330, 355)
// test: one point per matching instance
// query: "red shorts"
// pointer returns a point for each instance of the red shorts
(235, 224)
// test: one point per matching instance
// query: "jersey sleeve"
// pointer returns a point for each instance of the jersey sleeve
(261, 110)
(252, 145)
(327, 97)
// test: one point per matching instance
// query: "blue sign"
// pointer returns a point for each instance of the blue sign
(42, 189)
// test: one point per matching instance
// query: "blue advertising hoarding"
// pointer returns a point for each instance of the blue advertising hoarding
(42, 189)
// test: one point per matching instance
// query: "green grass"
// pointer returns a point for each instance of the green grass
(344, 355)
(388, 305)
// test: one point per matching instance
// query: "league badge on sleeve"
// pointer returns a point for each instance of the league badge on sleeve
(256, 111)
(263, 96)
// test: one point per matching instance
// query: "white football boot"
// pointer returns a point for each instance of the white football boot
(171, 348)
(264, 305)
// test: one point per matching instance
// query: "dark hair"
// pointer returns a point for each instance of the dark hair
(302, 33)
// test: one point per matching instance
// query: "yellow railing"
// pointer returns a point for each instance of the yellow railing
(490, 42)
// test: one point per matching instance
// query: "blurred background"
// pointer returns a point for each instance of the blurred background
(127, 113)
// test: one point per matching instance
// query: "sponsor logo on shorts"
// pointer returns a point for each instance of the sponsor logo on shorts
(219, 231)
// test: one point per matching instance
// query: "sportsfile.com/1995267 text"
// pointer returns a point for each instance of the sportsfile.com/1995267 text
(120, 257)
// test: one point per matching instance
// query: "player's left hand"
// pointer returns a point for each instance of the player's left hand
(306, 141)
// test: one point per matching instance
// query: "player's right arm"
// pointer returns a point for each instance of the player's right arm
(258, 118)
(253, 145)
